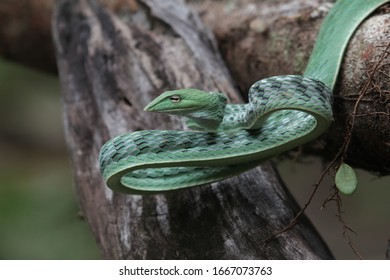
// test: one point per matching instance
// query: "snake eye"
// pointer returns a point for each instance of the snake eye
(175, 98)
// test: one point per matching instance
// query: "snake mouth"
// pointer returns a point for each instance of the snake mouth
(149, 108)
(152, 108)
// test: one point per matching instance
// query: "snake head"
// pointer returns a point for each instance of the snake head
(203, 108)
(185, 101)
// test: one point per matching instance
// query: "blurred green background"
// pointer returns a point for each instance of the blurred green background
(366, 212)
(38, 210)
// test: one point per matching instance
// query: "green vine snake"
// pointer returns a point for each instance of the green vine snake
(283, 112)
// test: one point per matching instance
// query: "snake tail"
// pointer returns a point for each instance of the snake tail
(332, 40)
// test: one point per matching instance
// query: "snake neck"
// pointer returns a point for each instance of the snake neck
(209, 117)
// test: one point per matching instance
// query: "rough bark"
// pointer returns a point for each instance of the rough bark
(257, 39)
(110, 67)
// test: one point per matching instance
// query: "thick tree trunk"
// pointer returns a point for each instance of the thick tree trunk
(110, 68)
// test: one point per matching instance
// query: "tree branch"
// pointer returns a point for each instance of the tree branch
(265, 38)
(25, 33)
(257, 39)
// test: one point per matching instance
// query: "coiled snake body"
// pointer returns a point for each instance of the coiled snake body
(283, 112)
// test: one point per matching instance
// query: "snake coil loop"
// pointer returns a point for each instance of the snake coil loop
(283, 112)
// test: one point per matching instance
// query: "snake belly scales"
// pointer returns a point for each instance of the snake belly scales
(283, 112)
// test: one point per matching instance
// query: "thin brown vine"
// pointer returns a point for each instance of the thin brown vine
(341, 156)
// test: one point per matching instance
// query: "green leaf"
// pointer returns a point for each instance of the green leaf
(346, 180)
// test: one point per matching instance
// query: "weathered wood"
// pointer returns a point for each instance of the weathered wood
(110, 68)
